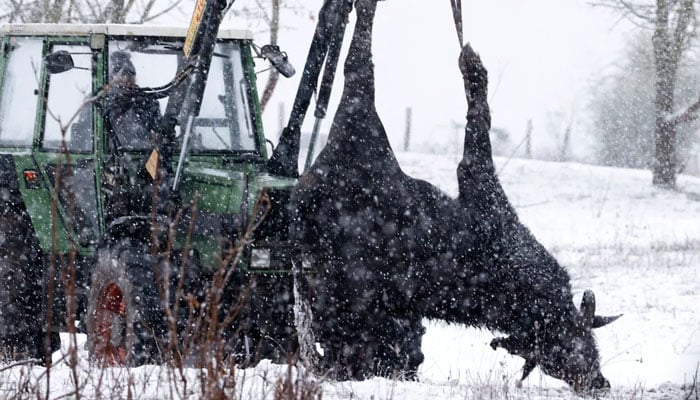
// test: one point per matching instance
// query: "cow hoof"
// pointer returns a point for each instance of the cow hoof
(497, 342)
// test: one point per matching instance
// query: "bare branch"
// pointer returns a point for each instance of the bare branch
(55, 11)
(634, 12)
(274, 24)
(265, 17)
(96, 12)
(18, 363)
(690, 114)
(147, 9)
(166, 10)
(129, 6)
(15, 11)
(685, 16)
(69, 11)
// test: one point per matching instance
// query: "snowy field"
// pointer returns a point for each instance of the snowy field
(637, 247)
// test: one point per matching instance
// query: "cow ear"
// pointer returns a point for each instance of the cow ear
(512, 344)
(599, 321)
(588, 309)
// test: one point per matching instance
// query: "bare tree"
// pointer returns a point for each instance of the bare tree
(273, 22)
(268, 12)
(84, 11)
(674, 24)
(622, 107)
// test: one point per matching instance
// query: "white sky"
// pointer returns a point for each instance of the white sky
(541, 56)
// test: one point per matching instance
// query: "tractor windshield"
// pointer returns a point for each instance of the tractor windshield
(224, 123)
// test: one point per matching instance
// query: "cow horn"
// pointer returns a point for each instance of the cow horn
(588, 309)
(599, 321)
(588, 318)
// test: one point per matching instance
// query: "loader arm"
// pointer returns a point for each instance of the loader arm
(325, 47)
(185, 101)
(183, 104)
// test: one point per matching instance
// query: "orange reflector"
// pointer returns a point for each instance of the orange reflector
(31, 176)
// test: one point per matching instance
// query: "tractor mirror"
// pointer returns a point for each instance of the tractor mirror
(58, 61)
(278, 59)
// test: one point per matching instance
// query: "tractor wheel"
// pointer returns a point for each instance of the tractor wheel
(22, 322)
(125, 319)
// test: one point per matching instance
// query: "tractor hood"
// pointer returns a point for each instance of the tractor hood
(222, 190)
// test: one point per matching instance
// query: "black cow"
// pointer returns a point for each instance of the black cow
(389, 250)
(364, 225)
(501, 277)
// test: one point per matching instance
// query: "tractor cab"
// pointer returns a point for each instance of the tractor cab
(58, 85)
(102, 134)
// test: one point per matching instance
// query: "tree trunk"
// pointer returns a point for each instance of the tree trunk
(665, 60)
(274, 75)
(664, 174)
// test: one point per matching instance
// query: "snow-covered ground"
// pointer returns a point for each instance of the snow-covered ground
(637, 247)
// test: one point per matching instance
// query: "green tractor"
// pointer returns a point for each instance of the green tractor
(133, 174)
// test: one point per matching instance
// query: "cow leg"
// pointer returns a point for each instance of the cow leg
(399, 348)
(394, 347)
(343, 208)
(390, 347)
(480, 191)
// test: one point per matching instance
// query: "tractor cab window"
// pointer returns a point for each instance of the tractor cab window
(224, 122)
(130, 114)
(20, 89)
(68, 116)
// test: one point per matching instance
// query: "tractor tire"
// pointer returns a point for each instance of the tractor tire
(22, 322)
(125, 320)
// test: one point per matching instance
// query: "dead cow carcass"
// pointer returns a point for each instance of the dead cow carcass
(501, 277)
(364, 225)
(388, 250)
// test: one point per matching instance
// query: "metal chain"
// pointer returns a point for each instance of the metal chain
(457, 14)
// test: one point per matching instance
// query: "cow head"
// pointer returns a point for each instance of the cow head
(564, 350)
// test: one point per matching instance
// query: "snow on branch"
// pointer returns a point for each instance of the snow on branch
(632, 10)
(687, 115)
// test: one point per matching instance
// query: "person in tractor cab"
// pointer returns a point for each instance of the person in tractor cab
(131, 116)
(133, 123)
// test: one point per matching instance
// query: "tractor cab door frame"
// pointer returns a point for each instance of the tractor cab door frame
(64, 148)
